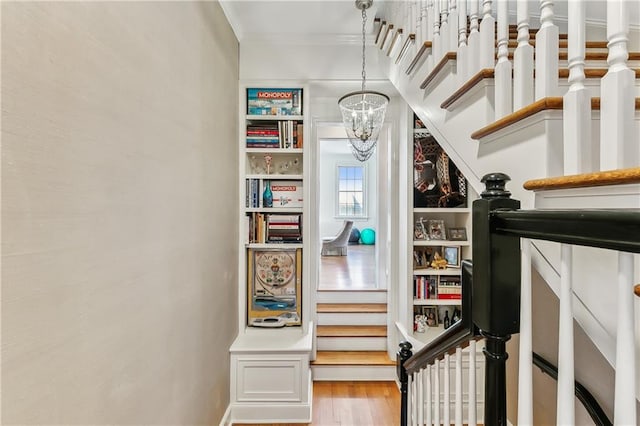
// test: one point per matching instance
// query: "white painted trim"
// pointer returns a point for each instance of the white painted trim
(365, 189)
(226, 417)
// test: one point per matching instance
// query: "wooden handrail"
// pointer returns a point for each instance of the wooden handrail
(449, 56)
(585, 180)
(425, 46)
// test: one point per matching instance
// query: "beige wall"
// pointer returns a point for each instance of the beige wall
(119, 212)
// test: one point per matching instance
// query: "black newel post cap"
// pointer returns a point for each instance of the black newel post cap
(405, 348)
(495, 185)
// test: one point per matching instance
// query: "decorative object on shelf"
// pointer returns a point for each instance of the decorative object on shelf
(438, 262)
(267, 162)
(431, 315)
(420, 324)
(457, 234)
(420, 231)
(272, 101)
(267, 195)
(363, 111)
(368, 236)
(452, 256)
(446, 321)
(436, 230)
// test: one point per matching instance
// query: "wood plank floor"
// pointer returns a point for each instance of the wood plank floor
(355, 271)
(353, 358)
(351, 404)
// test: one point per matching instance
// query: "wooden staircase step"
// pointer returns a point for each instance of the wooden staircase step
(351, 331)
(448, 57)
(586, 180)
(351, 308)
(563, 44)
(352, 358)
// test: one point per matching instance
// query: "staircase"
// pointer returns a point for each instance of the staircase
(352, 336)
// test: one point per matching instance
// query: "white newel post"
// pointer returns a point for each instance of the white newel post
(444, 29)
(429, 405)
(503, 71)
(458, 389)
(525, 367)
(461, 59)
(618, 143)
(522, 60)
(473, 65)
(577, 143)
(487, 37)
(546, 62)
(565, 412)
(624, 411)
(453, 25)
(436, 393)
(472, 406)
(446, 412)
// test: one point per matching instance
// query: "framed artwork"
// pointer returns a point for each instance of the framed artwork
(274, 287)
(430, 315)
(420, 231)
(457, 234)
(436, 230)
(452, 256)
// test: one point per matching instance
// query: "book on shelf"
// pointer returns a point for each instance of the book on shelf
(274, 228)
(449, 287)
(274, 101)
(284, 134)
(287, 193)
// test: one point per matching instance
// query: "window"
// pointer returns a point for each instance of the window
(351, 191)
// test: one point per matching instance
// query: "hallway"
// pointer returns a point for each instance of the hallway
(356, 271)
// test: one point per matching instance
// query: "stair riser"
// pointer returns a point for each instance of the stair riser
(352, 343)
(355, 373)
(351, 297)
(352, 319)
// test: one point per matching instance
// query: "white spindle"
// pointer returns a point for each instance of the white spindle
(461, 59)
(565, 399)
(458, 390)
(487, 37)
(447, 391)
(525, 374)
(473, 415)
(420, 397)
(546, 62)
(409, 399)
(429, 399)
(444, 29)
(503, 71)
(624, 411)
(474, 39)
(578, 151)
(429, 19)
(619, 145)
(436, 393)
(453, 25)
(436, 48)
(523, 60)
(413, 418)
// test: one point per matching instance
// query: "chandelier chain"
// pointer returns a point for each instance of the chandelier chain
(364, 73)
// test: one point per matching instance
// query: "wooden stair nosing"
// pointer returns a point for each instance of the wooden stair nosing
(563, 44)
(353, 358)
(449, 56)
(411, 38)
(351, 308)
(544, 104)
(351, 331)
(386, 34)
(586, 180)
(382, 25)
(426, 45)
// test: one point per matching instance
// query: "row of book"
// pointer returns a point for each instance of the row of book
(436, 287)
(274, 228)
(285, 134)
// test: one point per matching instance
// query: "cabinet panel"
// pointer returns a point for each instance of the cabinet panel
(269, 379)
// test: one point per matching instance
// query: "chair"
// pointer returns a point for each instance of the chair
(337, 246)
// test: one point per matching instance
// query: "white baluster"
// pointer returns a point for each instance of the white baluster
(525, 367)
(462, 62)
(430, 22)
(487, 37)
(453, 25)
(523, 60)
(503, 71)
(429, 19)
(474, 39)
(565, 400)
(436, 48)
(578, 152)
(546, 62)
(436, 393)
(429, 407)
(447, 392)
(409, 399)
(618, 143)
(444, 29)
(458, 417)
(473, 414)
(420, 397)
(414, 400)
(624, 411)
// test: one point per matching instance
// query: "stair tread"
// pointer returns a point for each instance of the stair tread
(352, 358)
(352, 331)
(352, 307)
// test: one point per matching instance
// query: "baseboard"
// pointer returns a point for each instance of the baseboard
(265, 412)
(226, 418)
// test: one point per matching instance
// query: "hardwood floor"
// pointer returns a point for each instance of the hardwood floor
(355, 271)
(351, 404)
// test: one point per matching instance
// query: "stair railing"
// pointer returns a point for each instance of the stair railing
(491, 308)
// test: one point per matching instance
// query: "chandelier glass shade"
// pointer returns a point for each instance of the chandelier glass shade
(363, 111)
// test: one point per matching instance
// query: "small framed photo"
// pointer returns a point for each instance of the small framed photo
(452, 256)
(420, 231)
(436, 230)
(431, 315)
(457, 234)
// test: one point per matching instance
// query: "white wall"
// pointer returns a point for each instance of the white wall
(119, 280)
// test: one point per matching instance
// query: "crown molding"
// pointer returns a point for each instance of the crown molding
(307, 39)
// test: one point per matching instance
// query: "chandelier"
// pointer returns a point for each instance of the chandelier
(363, 111)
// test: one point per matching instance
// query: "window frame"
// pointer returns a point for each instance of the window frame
(365, 211)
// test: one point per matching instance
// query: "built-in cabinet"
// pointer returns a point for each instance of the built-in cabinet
(270, 375)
